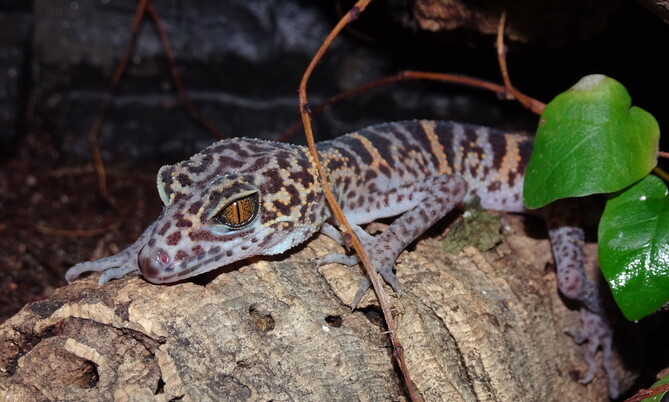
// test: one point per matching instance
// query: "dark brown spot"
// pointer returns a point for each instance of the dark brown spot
(173, 239)
(361, 201)
(283, 209)
(273, 183)
(283, 160)
(181, 222)
(259, 148)
(385, 170)
(226, 163)
(357, 147)
(494, 186)
(259, 163)
(422, 138)
(204, 235)
(184, 180)
(303, 177)
(512, 178)
(164, 228)
(382, 144)
(349, 159)
(334, 164)
(347, 184)
(195, 207)
(179, 197)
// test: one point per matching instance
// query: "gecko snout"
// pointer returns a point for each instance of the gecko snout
(153, 264)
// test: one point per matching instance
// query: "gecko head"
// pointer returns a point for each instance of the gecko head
(231, 218)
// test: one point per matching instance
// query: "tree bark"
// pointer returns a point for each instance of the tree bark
(474, 326)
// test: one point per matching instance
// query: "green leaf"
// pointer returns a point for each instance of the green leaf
(590, 141)
(634, 247)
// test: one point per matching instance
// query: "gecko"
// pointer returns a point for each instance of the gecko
(245, 197)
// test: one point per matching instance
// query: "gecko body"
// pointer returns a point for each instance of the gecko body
(242, 197)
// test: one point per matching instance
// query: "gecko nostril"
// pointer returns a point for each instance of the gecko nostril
(153, 263)
(163, 257)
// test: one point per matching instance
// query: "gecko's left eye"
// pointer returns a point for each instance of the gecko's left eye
(238, 213)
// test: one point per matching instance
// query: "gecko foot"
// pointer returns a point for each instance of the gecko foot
(598, 334)
(382, 259)
(115, 266)
(365, 284)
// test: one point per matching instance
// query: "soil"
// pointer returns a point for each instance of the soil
(52, 216)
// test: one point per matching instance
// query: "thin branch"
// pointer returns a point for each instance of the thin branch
(398, 351)
(195, 113)
(76, 232)
(647, 393)
(661, 174)
(530, 103)
(113, 84)
(143, 6)
(401, 76)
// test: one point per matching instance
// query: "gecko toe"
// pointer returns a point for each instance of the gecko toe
(364, 285)
(348, 260)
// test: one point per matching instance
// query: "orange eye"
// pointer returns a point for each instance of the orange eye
(238, 213)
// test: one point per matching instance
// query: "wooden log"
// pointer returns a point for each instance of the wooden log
(475, 326)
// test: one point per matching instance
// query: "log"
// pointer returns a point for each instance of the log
(474, 326)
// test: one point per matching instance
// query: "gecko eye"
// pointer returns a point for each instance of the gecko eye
(238, 213)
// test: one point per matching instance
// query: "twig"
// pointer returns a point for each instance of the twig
(76, 232)
(402, 76)
(195, 113)
(530, 103)
(143, 6)
(398, 351)
(113, 84)
(647, 393)
(661, 174)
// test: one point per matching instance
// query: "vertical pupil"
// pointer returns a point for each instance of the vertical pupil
(233, 213)
(239, 212)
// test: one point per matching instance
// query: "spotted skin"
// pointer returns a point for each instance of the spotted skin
(415, 170)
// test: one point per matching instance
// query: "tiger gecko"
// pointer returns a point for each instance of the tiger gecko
(245, 197)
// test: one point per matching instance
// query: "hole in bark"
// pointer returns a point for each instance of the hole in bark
(334, 321)
(374, 315)
(262, 321)
(88, 377)
(160, 388)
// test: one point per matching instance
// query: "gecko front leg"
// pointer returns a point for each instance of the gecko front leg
(430, 200)
(115, 266)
